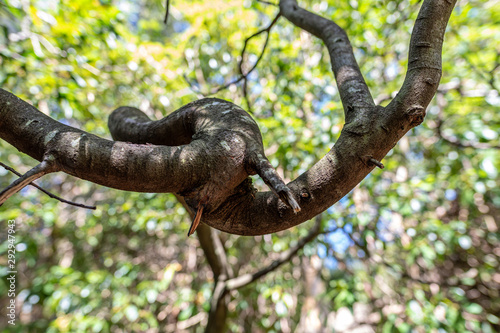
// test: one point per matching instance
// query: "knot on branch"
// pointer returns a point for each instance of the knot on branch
(416, 114)
(217, 146)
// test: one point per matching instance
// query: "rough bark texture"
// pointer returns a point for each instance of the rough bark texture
(206, 150)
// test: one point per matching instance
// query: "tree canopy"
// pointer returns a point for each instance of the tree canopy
(415, 246)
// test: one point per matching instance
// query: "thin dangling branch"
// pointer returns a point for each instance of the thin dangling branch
(45, 167)
(52, 195)
(167, 5)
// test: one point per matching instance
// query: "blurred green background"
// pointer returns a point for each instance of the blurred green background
(414, 248)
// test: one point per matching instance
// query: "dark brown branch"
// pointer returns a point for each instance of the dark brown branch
(352, 87)
(223, 286)
(165, 151)
(218, 309)
(214, 252)
(53, 196)
(424, 60)
(216, 257)
(167, 8)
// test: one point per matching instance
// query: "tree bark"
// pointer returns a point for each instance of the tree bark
(206, 150)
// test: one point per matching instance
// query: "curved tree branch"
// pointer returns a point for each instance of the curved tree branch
(206, 150)
(352, 87)
(424, 60)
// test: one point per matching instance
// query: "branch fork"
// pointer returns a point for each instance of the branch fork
(224, 151)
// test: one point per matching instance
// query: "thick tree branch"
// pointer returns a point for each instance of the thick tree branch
(203, 151)
(424, 60)
(352, 87)
(115, 164)
(206, 150)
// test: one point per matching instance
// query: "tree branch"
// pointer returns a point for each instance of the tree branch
(167, 9)
(424, 60)
(206, 150)
(216, 257)
(53, 196)
(352, 87)
(223, 286)
(244, 76)
(214, 252)
(45, 167)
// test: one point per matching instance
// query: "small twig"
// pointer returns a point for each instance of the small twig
(38, 171)
(197, 219)
(268, 3)
(194, 88)
(53, 196)
(376, 163)
(167, 5)
(467, 144)
(240, 64)
(456, 142)
(284, 257)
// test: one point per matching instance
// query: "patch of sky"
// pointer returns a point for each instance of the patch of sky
(318, 104)
(257, 89)
(339, 240)
(450, 194)
(392, 70)
(344, 201)
(322, 251)
(180, 26)
(331, 263)
(253, 76)
(24, 191)
(218, 79)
